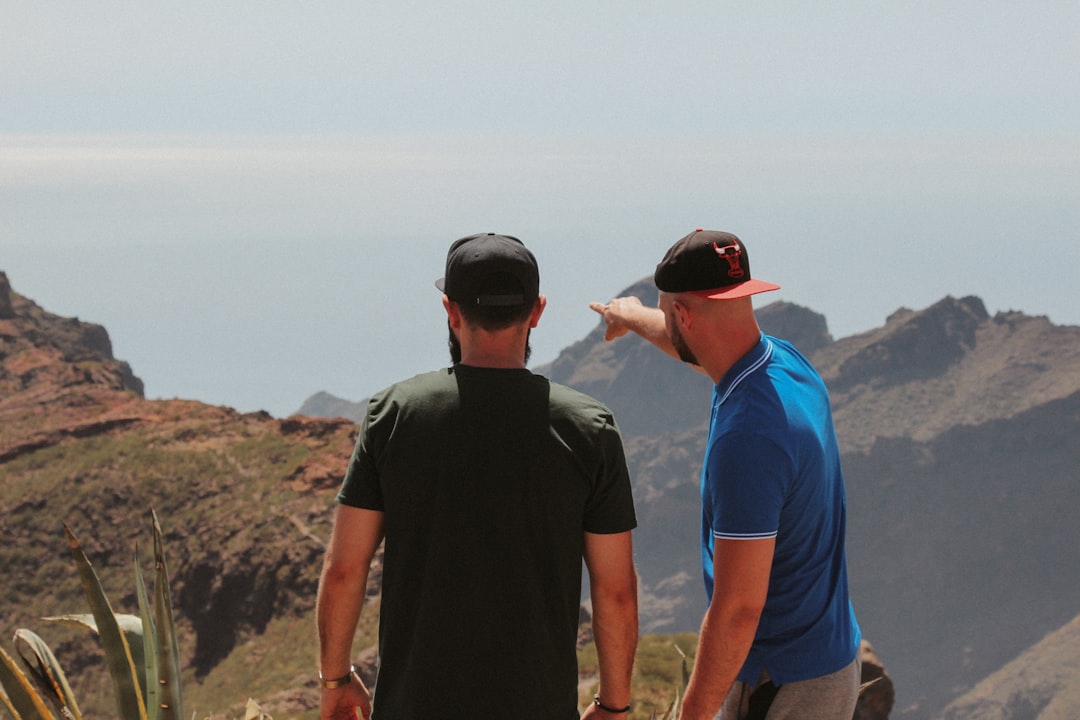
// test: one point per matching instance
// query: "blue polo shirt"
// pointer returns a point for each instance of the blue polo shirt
(772, 469)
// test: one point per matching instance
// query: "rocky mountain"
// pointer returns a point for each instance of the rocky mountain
(958, 432)
(1042, 684)
(960, 453)
(323, 404)
(245, 501)
(958, 437)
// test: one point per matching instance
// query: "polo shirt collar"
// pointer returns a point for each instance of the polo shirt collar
(742, 369)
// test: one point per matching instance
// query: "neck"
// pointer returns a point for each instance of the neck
(504, 349)
(493, 360)
(724, 358)
(729, 331)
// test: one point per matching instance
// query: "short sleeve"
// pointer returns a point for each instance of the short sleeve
(745, 486)
(610, 508)
(361, 487)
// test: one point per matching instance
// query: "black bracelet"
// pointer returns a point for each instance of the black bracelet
(605, 708)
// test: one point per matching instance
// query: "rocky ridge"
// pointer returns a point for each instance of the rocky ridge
(953, 459)
(1041, 684)
(958, 433)
(244, 500)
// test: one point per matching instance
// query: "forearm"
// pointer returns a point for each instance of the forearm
(723, 644)
(338, 607)
(648, 322)
(342, 589)
(615, 632)
(343, 585)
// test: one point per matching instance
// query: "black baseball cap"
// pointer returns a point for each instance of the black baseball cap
(710, 264)
(490, 269)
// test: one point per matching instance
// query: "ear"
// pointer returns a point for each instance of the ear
(453, 312)
(537, 311)
(683, 314)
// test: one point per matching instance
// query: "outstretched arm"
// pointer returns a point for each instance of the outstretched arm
(356, 536)
(627, 314)
(613, 586)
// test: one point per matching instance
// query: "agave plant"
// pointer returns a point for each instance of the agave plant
(673, 709)
(140, 652)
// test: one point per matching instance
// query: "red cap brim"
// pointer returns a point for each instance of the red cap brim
(750, 287)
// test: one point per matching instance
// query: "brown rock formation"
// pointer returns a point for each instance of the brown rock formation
(878, 694)
(245, 499)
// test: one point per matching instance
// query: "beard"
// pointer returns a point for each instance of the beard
(679, 343)
(455, 346)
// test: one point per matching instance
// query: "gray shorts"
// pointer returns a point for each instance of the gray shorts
(829, 697)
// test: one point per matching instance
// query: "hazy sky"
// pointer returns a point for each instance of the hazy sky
(254, 198)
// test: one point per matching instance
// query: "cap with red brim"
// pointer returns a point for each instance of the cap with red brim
(709, 264)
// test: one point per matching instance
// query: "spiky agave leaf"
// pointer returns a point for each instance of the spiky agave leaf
(254, 712)
(45, 672)
(170, 695)
(18, 695)
(685, 669)
(130, 625)
(672, 712)
(129, 698)
(149, 639)
(5, 702)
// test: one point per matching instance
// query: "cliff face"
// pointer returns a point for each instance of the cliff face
(58, 377)
(1041, 684)
(245, 501)
(925, 372)
(958, 431)
(958, 434)
(39, 348)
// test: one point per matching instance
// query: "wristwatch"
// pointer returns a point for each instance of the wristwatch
(331, 683)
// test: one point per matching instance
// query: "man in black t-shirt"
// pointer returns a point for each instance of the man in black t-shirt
(489, 484)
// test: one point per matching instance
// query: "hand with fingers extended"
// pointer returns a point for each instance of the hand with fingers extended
(624, 315)
(619, 315)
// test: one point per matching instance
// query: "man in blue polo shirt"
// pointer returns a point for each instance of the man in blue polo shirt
(779, 639)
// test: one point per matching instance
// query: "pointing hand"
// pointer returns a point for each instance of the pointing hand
(617, 314)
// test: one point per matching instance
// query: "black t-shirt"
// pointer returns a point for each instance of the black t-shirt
(488, 479)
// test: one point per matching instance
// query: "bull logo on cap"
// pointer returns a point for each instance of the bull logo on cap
(733, 255)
